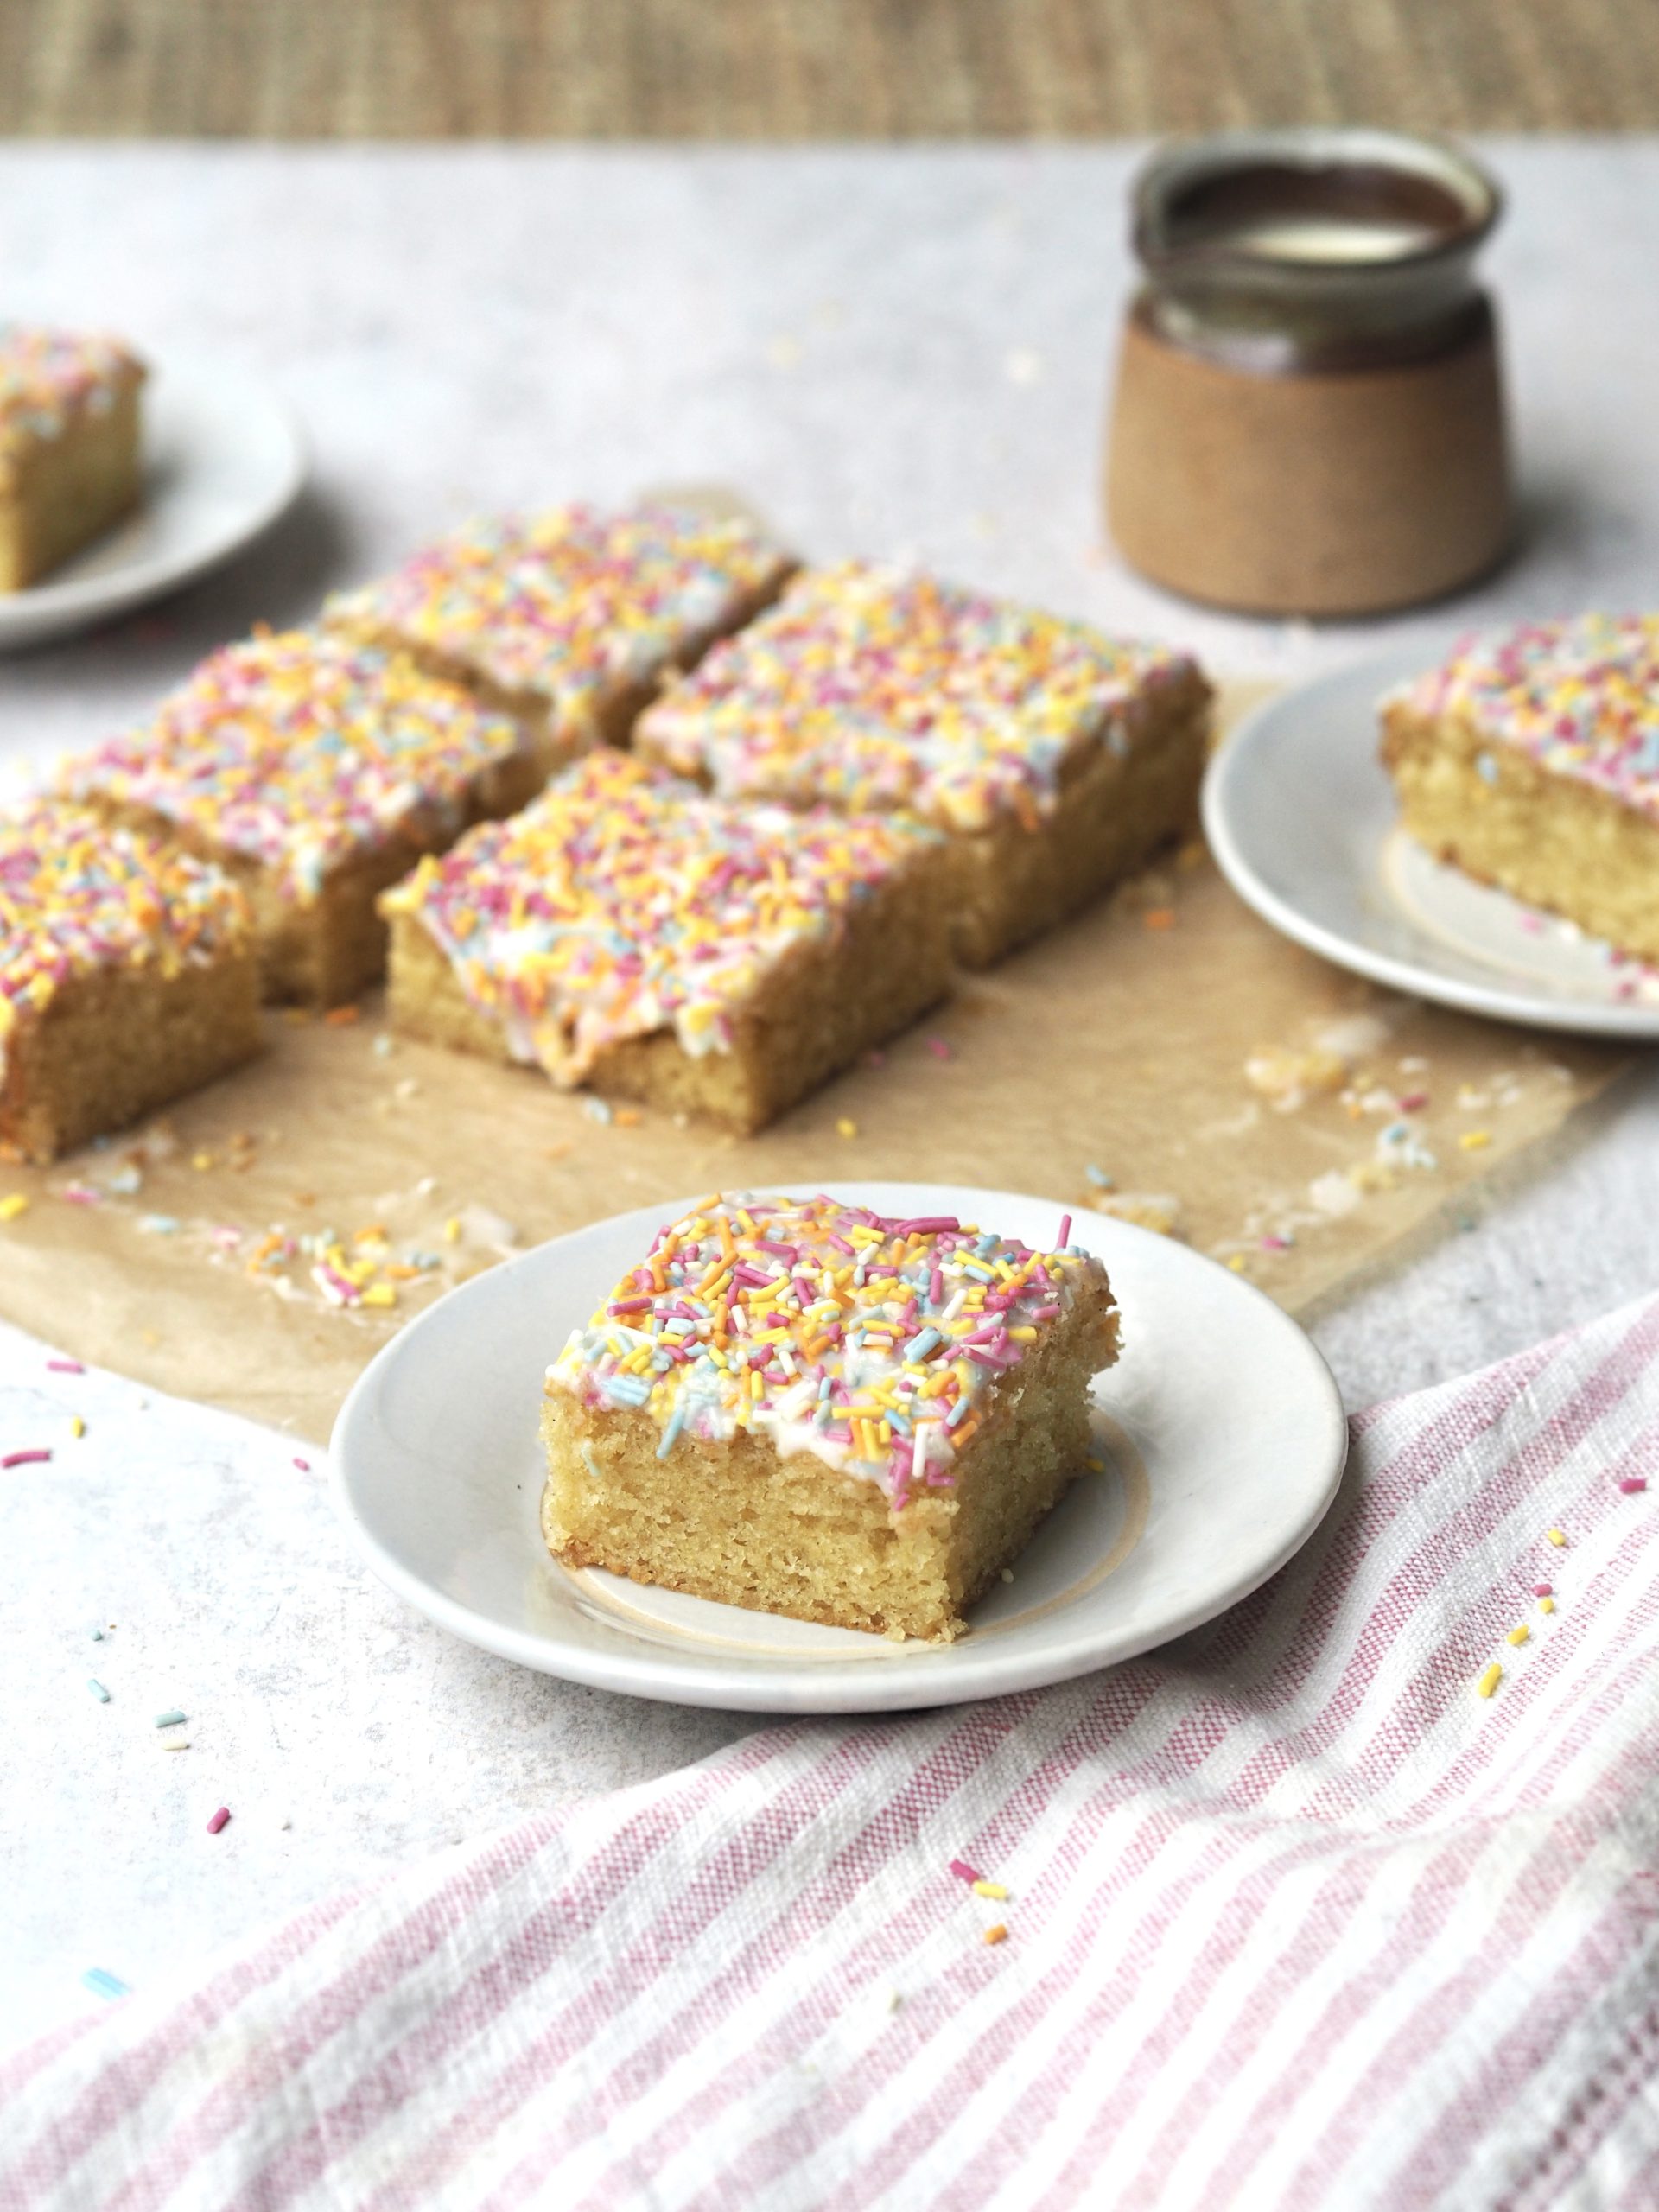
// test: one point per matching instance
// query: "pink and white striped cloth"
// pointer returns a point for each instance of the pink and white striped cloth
(1296, 1917)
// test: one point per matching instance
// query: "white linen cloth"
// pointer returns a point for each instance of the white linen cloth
(1296, 1917)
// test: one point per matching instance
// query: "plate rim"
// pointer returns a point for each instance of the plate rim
(935, 1675)
(1233, 761)
(53, 609)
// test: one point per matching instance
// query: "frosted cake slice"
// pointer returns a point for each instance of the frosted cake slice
(802, 1407)
(1053, 758)
(1530, 759)
(316, 772)
(127, 976)
(69, 444)
(571, 619)
(632, 933)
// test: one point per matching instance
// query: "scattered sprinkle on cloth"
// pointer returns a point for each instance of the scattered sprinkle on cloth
(1294, 1917)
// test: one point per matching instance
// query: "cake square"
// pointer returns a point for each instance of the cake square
(69, 444)
(570, 619)
(632, 933)
(317, 771)
(1053, 758)
(802, 1407)
(127, 976)
(1530, 759)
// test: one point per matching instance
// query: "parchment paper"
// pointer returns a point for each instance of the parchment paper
(1167, 1056)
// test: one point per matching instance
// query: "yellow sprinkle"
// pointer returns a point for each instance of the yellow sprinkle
(1099, 1465)
(1546, 1604)
(77, 1427)
(1555, 1537)
(1473, 1139)
(1237, 1263)
(452, 1230)
(846, 1127)
(380, 1293)
(1489, 1680)
(201, 1161)
(12, 1206)
(756, 1385)
(990, 1890)
(1518, 1634)
(997, 1934)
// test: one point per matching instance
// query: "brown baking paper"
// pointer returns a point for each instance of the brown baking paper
(1167, 1055)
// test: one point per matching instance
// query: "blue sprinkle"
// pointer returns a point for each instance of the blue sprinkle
(958, 1412)
(98, 1690)
(1486, 767)
(159, 1224)
(103, 1983)
(596, 1110)
(923, 1343)
(671, 1433)
(1100, 1179)
(592, 1463)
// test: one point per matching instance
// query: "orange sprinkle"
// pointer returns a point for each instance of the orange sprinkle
(341, 1017)
(1158, 917)
(997, 1934)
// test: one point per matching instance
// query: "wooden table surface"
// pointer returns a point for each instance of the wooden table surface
(794, 69)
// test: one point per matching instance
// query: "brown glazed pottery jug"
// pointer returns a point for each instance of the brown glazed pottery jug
(1309, 417)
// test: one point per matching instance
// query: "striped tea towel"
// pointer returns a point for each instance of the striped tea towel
(1313, 1908)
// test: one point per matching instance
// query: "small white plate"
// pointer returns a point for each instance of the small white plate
(223, 459)
(1300, 816)
(1221, 1427)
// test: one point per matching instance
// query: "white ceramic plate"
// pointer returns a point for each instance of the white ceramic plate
(1221, 1427)
(223, 459)
(1300, 816)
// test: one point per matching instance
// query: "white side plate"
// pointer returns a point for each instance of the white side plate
(1300, 816)
(1220, 1424)
(223, 459)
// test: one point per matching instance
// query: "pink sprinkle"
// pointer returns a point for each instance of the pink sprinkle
(65, 1367)
(219, 1819)
(24, 1458)
(1414, 1102)
(926, 1224)
(1542, 1590)
(1633, 1483)
(940, 1049)
(964, 1872)
(304, 1466)
(80, 1194)
(1066, 1231)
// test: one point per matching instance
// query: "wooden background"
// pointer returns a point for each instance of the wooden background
(792, 69)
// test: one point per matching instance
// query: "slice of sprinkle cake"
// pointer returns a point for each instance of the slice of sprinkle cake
(571, 619)
(317, 771)
(630, 932)
(127, 976)
(802, 1407)
(1530, 759)
(1055, 758)
(69, 444)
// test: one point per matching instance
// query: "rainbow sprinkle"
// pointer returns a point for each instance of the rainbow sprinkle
(624, 901)
(48, 377)
(873, 688)
(572, 607)
(875, 1345)
(1580, 698)
(300, 751)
